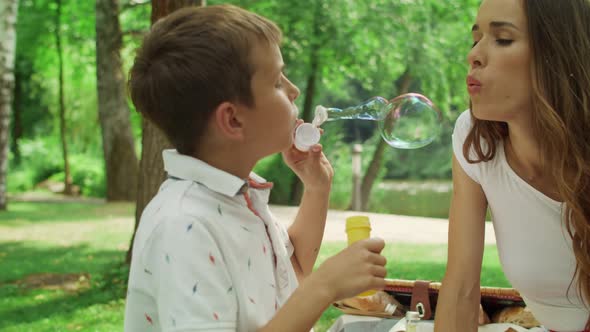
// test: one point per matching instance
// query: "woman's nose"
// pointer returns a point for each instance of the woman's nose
(475, 56)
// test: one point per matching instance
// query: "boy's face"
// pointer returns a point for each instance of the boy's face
(272, 118)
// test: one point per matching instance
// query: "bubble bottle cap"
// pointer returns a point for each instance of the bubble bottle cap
(358, 222)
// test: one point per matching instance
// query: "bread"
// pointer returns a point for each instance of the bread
(516, 315)
(378, 302)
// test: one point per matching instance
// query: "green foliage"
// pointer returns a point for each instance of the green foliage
(425, 199)
(36, 94)
(41, 159)
(274, 170)
(36, 52)
(362, 48)
(87, 173)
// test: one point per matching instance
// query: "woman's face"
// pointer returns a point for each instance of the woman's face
(499, 80)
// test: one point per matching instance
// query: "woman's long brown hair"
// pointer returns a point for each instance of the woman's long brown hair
(560, 42)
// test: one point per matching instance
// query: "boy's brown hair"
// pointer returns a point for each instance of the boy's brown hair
(190, 62)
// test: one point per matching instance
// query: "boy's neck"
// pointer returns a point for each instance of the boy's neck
(229, 159)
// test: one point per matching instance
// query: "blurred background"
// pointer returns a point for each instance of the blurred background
(77, 164)
(339, 53)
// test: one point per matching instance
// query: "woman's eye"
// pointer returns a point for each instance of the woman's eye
(504, 42)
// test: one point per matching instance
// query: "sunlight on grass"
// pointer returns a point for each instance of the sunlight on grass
(21, 213)
(64, 238)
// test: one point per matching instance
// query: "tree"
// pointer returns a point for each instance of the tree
(8, 14)
(375, 165)
(429, 60)
(311, 84)
(153, 141)
(363, 49)
(117, 139)
(62, 107)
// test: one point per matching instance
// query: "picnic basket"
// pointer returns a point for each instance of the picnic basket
(422, 296)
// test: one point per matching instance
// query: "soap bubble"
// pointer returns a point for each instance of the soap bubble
(410, 122)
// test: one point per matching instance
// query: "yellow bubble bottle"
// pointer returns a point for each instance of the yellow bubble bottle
(358, 228)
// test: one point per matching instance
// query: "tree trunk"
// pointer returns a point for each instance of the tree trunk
(62, 106)
(8, 14)
(375, 165)
(17, 121)
(117, 139)
(296, 185)
(314, 67)
(153, 141)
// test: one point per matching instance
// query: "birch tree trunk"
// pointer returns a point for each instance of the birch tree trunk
(153, 141)
(117, 138)
(8, 13)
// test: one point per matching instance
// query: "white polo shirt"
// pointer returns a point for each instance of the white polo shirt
(208, 255)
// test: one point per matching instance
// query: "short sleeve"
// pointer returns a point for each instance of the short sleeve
(462, 127)
(195, 292)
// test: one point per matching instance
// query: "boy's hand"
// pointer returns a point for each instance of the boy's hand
(356, 269)
(312, 167)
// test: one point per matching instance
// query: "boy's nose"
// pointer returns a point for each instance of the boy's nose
(295, 92)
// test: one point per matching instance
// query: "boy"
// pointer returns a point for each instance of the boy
(208, 254)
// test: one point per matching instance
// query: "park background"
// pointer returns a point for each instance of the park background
(74, 154)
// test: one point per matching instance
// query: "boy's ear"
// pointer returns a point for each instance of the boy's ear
(228, 120)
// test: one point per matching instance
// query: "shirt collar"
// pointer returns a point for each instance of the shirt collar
(190, 168)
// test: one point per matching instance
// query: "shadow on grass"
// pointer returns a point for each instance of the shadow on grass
(32, 212)
(18, 304)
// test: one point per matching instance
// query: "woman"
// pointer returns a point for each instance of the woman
(523, 150)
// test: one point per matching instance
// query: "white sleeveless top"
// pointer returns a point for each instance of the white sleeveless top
(534, 248)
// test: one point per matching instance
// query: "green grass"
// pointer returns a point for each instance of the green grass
(423, 203)
(21, 213)
(64, 238)
(67, 238)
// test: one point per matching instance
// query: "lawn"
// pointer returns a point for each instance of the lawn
(62, 271)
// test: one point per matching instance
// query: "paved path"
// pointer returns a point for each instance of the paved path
(392, 228)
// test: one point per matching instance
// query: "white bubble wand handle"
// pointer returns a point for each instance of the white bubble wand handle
(308, 134)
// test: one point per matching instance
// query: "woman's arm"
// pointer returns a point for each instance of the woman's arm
(458, 302)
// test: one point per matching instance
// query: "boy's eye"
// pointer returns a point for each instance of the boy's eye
(474, 43)
(279, 83)
(504, 42)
